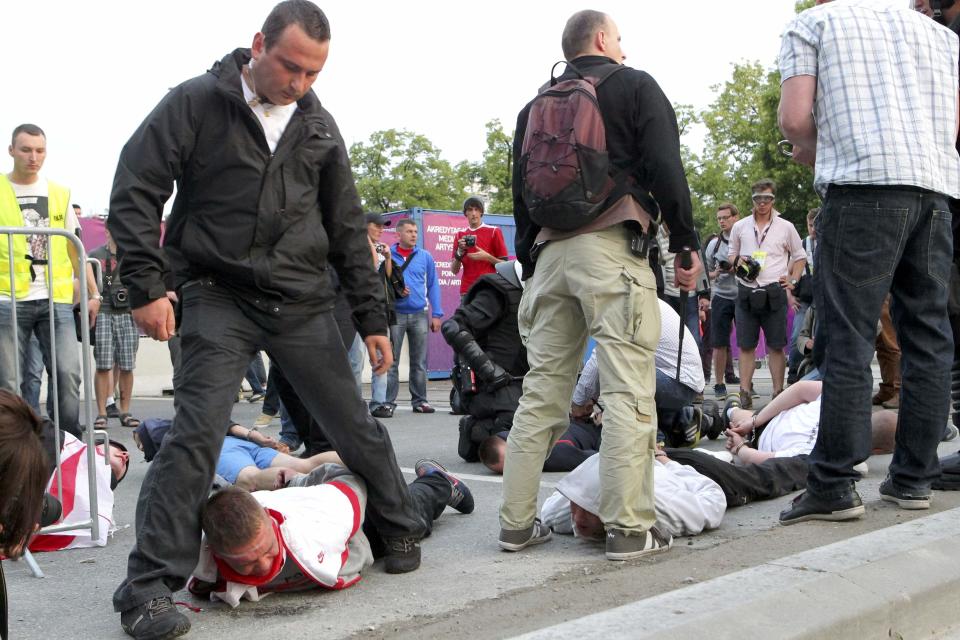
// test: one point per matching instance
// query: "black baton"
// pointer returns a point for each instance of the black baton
(685, 263)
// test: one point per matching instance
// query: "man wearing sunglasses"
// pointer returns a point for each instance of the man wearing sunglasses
(773, 243)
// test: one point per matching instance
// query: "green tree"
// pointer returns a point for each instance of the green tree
(740, 147)
(495, 172)
(399, 169)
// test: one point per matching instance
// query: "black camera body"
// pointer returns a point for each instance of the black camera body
(723, 265)
(470, 241)
(748, 269)
(119, 298)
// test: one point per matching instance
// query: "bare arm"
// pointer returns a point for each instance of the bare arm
(795, 116)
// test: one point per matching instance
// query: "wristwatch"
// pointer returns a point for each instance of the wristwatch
(793, 281)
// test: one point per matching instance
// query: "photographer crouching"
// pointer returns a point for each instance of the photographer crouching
(117, 336)
(24, 472)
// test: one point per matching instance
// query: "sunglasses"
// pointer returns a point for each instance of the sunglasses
(763, 197)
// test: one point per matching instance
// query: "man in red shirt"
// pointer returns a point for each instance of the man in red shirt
(478, 248)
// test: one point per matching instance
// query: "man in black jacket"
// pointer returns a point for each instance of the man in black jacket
(266, 206)
(589, 282)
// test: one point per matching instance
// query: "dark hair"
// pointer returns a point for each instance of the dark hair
(580, 29)
(490, 451)
(763, 183)
(732, 208)
(473, 201)
(27, 128)
(23, 472)
(403, 222)
(302, 13)
(231, 518)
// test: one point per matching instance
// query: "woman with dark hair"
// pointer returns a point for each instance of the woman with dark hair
(23, 473)
(23, 478)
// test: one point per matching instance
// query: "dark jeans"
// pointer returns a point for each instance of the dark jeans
(271, 403)
(742, 484)
(218, 340)
(873, 241)
(256, 374)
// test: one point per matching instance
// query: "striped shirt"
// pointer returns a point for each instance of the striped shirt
(886, 100)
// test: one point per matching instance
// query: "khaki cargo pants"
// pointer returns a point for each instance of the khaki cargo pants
(593, 285)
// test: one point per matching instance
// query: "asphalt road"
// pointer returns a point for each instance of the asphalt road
(466, 587)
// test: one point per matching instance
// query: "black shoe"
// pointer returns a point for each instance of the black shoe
(461, 498)
(714, 422)
(112, 410)
(732, 379)
(155, 620)
(383, 411)
(807, 506)
(720, 390)
(402, 555)
(904, 498)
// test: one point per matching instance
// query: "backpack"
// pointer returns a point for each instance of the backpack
(564, 165)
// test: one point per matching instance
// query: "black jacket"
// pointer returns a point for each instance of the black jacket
(267, 227)
(641, 128)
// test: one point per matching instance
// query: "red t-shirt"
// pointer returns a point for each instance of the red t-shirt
(490, 239)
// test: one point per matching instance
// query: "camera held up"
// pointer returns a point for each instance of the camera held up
(748, 269)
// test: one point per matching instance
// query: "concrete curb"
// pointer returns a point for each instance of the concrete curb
(901, 581)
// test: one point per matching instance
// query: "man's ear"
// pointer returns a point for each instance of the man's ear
(258, 46)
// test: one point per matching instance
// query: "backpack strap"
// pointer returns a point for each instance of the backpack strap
(406, 261)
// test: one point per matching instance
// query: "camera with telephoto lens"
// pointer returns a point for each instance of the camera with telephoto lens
(51, 511)
(748, 269)
(470, 241)
(119, 298)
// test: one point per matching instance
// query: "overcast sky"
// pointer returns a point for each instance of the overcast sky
(88, 72)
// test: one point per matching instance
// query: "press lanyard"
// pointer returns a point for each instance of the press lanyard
(760, 238)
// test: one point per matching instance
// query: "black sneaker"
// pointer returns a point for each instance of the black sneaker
(714, 423)
(383, 411)
(517, 539)
(693, 429)
(402, 555)
(720, 390)
(732, 379)
(904, 498)
(155, 620)
(112, 410)
(461, 498)
(807, 506)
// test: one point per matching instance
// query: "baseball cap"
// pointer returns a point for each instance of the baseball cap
(376, 218)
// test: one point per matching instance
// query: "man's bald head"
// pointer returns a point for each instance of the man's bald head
(579, 33)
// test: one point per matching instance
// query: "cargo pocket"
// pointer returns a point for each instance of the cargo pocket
(641, 310)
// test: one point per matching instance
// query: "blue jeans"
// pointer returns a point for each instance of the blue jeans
(32, 377)
(672, 398)
(33, 317)
(378, 390)
(795, 357)
(414, 326)
(357, 352)
(256, 375)
(873, 241)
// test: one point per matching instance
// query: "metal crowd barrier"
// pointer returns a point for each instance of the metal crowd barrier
(90, 435)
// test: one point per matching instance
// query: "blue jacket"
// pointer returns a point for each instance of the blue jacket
(420, 276)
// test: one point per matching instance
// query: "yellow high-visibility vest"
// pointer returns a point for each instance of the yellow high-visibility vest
(59, 260)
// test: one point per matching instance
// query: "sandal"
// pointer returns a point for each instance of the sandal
(129, 421)
(100, 422)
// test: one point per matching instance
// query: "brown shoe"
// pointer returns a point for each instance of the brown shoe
(880, 398)
(892, 403)
(746, 400)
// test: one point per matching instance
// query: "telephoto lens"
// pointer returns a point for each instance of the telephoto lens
(51, 512)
